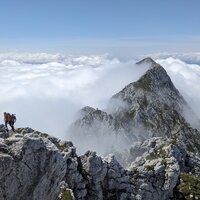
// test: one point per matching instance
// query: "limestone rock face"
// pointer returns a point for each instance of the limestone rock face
(106, 179)
(34, 165)
(156, 173)
(117, 184)
(31, 168)
(165, 170)
(3, 132)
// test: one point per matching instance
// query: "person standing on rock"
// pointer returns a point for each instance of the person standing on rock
(9, 119)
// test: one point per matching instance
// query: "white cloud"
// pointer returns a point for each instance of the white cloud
(45, 91)
(186, 78)
(190, 58)
(31, 57)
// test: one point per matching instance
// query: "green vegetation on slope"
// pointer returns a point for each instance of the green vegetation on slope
(143, 83)
(189, 186)
(66, 195)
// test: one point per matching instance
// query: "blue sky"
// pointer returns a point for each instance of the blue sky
(100, 26)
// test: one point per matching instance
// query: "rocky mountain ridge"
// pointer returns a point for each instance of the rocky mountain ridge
(152, 106)
(165, 160)
(37, 166)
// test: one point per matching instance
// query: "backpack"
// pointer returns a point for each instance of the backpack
(13, 118)
(7, 117)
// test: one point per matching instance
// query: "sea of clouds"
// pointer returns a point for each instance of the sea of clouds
(190, 58)
(186, 78)
(47, 90)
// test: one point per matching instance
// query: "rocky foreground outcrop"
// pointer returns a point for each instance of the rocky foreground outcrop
(165, 171)
(36, 166)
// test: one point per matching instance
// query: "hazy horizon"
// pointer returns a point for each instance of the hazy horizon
(122, 28)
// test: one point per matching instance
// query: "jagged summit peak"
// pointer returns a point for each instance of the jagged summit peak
(147, 60)
(87, 109)
(155, 77)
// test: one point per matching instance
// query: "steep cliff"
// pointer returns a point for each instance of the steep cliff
(37, 166)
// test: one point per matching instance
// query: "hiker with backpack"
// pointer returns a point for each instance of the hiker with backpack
(9, 119)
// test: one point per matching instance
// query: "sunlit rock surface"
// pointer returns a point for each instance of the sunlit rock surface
(37, 166)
